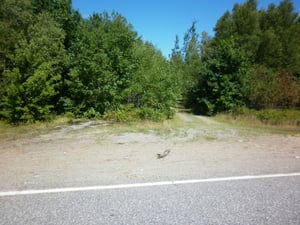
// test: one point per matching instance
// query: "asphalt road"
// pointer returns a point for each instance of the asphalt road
(256, 201)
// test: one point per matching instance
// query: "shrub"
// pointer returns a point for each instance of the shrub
(152, 114)
(270, 116)
(271, 89)
(91, 113)
(279, 117)
(125, 113)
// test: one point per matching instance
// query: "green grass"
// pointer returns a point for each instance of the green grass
(12, 132)
(285, 120)
(145, 126)
(26, 130)
(244, 121)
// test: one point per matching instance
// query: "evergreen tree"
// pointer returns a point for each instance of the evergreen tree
(192, 58)
(242, 25)
(225, 28)
(177, 64)
(280, 45)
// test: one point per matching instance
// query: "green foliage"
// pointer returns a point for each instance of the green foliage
(279, 117)
(52, 61)
(243, 25)
(267, 88)
(91, 113)
(154, 114)
(102, 63)
(177, 63)
(253, 60)
(219, 86)
(129, 113)
(36, 73)
(12, 101)
(126, 113)
(65, 104)
(268, 37)
(280, 45)
(15, 18)
(192, 58)
(154, 85)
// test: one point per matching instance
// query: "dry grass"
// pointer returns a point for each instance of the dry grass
(25, 130)
(274, 120)
(248, 122)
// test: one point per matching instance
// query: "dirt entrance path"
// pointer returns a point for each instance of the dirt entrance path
(96, 154)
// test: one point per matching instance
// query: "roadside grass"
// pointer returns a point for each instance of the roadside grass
(10, 132)
(27, 130)
(268, 120)
(243, 122)
(145, 126)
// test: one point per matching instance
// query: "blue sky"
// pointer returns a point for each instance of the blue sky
(159, 21)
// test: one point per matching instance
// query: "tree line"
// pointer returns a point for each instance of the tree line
(252, 61)
(53, 61)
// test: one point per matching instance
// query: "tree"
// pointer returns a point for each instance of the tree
(176, 56)
(279, 47)
(102, 63)
(243, 26)
(176, 61)
(270, 40)
(224, 27)
(206, 42)
(267, 88)
(33, 83)
(191, 52)
(220, 80)
(154, 87)
(15, 18)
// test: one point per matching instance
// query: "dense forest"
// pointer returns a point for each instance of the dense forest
(53, 61)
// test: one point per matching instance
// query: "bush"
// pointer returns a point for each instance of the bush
(125, 113)
(152, 114)
(129, 113)
(272, 89)
(91, 113)
(279, 117)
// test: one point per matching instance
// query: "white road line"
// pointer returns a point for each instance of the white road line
(149, 184)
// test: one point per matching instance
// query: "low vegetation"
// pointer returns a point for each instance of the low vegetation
(280, 119)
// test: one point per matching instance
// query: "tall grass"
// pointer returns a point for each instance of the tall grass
(281, 118)
(25, 130)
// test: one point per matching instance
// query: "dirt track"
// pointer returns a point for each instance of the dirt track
(94, 154)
